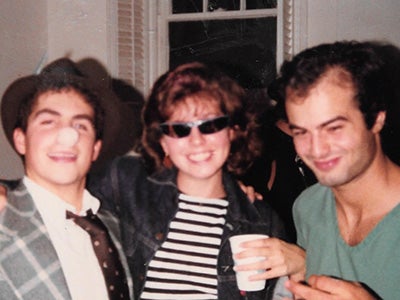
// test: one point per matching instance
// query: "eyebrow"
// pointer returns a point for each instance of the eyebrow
(56, 113)
(327, 123)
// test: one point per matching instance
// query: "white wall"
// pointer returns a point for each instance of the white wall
(23, 40)
(331, 20)
(80, 29)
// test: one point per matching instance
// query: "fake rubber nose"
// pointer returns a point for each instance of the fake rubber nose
(67, 136)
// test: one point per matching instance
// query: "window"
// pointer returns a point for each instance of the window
(239, 39)
(248, 38)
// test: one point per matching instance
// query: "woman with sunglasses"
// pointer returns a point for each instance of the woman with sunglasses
(177, 222)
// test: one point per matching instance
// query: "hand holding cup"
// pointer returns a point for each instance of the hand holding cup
(242, 277)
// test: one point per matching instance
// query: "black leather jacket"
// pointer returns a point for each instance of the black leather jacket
(147, 204)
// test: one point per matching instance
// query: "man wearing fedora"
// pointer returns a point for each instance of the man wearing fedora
(60, 122)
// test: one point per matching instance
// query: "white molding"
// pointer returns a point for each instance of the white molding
(152, 44)
(280, 38)
(112, 37)
(300, 25)
(165, 9)
(223, 15)
(140, 56)
(291, 32)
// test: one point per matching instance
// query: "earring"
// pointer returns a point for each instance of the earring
(167, 161)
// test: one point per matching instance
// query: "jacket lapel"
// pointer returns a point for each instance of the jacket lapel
(27, 257)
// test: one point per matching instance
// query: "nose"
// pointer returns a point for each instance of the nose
(67, 136)
(319, 146)
(196, 137)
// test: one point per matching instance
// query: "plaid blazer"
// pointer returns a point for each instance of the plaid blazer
(29, 265)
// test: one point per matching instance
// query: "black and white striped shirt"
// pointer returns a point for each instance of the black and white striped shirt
(185, 267)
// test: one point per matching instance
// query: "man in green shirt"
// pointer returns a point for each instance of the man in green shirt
(336, 98)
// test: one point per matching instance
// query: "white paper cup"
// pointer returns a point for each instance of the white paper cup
(242, 277)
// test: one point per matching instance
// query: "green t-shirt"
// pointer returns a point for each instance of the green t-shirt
(375, 261)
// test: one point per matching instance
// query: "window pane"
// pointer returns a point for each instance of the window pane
(253, 4)
(221, 5)
(245, 48)
(192, 6)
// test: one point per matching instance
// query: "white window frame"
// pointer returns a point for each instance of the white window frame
(150, 49)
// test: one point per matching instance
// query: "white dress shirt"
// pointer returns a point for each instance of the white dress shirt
(73, 245)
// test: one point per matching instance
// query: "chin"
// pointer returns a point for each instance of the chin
(65, 180)
(331, 182)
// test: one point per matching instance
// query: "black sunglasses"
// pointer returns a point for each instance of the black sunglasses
(182, 129)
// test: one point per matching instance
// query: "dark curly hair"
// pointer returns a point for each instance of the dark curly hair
(361, 62)
(206, 83)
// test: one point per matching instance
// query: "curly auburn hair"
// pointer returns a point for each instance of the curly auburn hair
(206, 83)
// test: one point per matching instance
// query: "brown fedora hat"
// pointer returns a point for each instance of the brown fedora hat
(89, 74)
